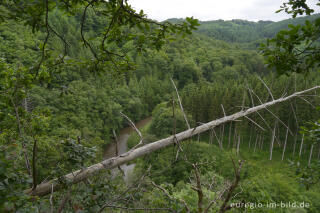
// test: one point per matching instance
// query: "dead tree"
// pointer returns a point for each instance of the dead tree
(301, 146)
(79, 175)
(295, 144)
(225, 207)
(262, 142)
(255, 144)
(285, 145)
(310, 156)
(272, 140)
(230, 128)
(238, 145)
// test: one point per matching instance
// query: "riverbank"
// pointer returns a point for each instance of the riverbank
(123, 136)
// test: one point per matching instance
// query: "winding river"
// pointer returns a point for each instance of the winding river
(123, 137)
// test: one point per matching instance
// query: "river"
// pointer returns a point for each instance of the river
(123, 137)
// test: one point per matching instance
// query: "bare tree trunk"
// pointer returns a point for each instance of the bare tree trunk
(250, 137)
(210, 137)
(80, 175)
(180, 103)
(255, 144)
(285, 144)
(230, 128)
(272, 140)
(234, 137)
(319, 152)
(262, 142)
(310, 156)
(220, 145)
(301, 146)
(238, 146)
(259, 142)
(222, 136)
(295, 144)
(21, 135)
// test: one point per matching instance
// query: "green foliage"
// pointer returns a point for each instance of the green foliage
(165, 121)
(54, 94)
(295, 49)
(12, 180)
(124, 24)
(308, 176)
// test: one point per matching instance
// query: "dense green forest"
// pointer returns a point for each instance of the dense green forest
(62, 116)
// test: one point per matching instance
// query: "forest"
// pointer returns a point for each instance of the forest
(105, 110)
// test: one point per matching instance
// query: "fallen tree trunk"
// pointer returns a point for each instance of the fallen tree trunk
(79, 175)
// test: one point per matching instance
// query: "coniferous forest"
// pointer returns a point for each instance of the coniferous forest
(105, 110)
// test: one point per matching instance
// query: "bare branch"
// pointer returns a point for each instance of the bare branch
(180, 103)
(255, 123)
(43, 53)
(224, 207)
(224, 112)
(110, 163)
(198, 188)
(51, 199)
(306, 101)
(170, 197)
(135, 128)
(34, 168)
(138, 184)
(214, 201)
(285, 144)
(117, 151)
(220, 144)
(280, 121)
(24, 148)
(83, 19)
(266, 87)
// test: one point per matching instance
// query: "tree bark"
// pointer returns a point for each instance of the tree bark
(255, 144)
(285, 144)
(272, 140)
(310, 156)
(230, 128)
(301, 146)
(79, 175)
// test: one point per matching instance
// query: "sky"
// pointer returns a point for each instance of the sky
(205, 10)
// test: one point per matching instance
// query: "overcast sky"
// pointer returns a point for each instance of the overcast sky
(204, 10)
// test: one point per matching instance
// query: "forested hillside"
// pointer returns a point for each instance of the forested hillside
(247, 31)
(65, 113)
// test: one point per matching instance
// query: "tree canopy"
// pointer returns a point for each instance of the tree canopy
(296, 49)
